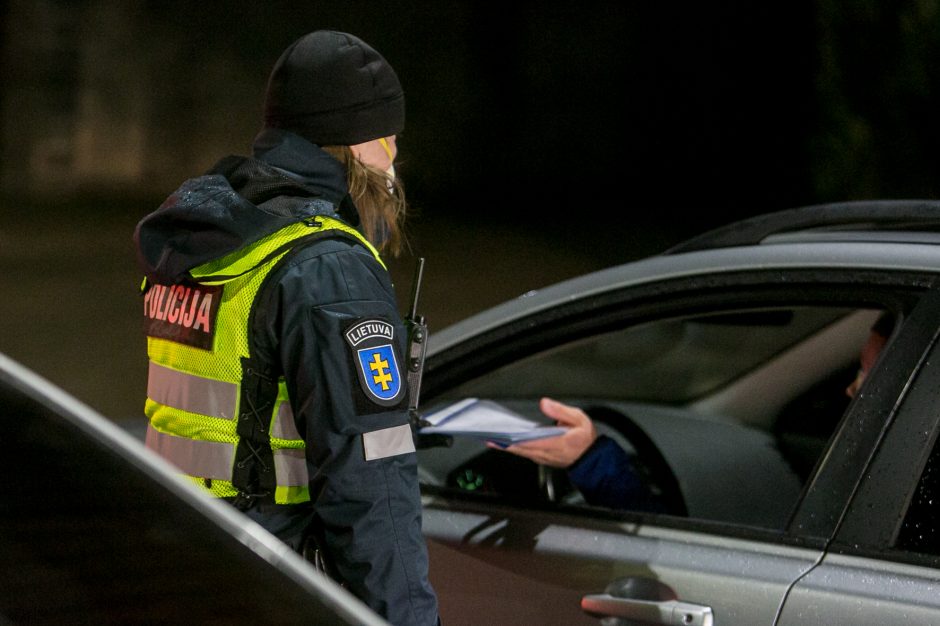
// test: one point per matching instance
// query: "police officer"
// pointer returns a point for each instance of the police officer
(275, 345)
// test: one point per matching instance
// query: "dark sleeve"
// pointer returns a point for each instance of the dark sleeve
(605, 476)
(366, 498)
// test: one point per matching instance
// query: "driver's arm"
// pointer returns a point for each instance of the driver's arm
(605, 476)
(601, 470)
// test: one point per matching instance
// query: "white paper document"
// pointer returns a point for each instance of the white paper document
(485, 419)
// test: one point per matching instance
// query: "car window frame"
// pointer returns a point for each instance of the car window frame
(893, 471)
(597, 313)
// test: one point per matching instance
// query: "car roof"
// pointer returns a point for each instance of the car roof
(94, 528)
(864, 218)
(858, 235)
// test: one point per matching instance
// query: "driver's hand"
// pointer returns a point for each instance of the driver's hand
(563, 450)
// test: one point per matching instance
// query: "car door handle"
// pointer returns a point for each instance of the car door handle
(671, 612)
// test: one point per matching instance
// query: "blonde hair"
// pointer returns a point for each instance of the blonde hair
(379, 198)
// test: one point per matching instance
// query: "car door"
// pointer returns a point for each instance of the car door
(518, 555)
(884, 565)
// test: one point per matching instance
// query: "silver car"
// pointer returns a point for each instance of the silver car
(721, 367)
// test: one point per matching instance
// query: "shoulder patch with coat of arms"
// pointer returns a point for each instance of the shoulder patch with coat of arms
(372, 343)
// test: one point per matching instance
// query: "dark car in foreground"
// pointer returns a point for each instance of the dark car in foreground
(95, 529)
(721, 365)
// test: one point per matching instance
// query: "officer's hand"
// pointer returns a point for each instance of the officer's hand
(563, 450)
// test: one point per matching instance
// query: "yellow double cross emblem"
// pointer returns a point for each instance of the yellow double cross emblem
(381, 376)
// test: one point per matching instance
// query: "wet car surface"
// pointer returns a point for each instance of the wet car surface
(721, 365)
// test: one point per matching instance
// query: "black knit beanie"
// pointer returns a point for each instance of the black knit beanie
(333, 88)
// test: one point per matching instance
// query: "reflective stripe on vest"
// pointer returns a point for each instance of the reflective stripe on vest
(213, 459)
(194, 391)
(205, 396)
(195, 394)
(284, 426)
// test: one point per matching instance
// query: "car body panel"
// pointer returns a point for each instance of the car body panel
(856, 590)
(501, 560)
(95, 529)
(532, 561)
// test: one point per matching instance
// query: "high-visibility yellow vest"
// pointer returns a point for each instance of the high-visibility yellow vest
(211, 414)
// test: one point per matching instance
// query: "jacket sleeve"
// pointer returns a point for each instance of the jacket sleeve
(605, 476)
(341, 342)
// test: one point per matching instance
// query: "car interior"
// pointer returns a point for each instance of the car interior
(724, 414)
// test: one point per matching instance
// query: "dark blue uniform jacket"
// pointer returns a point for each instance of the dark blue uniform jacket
(606, 476)
(369, 512)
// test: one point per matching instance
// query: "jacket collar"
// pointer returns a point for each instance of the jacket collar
(302, 161)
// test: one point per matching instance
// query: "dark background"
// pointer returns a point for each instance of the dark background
(543, 139)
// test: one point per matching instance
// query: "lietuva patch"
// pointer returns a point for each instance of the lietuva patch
(372, 345)
(182, 313)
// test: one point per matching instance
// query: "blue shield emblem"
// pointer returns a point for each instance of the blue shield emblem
(379, 373)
